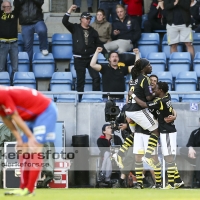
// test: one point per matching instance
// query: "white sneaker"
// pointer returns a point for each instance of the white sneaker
(178, 185)
(45, 52)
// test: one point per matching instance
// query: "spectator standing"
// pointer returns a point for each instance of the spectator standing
(85, 42)
(102, 26)
(178, 24)
(104, 143)
(109, 6)
(195, 15)
(8, 36)
(156, 17)
(125, 32)
(135, 9)
(112, 74)
(31, 19)
(78, 3)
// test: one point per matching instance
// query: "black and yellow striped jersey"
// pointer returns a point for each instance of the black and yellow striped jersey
(163, 108)
(142, 88)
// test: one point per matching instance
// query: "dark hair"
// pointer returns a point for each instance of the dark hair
(139, 65)
(102, 11)
(163, 86)
(104, 127)
(153, 75)
(111, 52)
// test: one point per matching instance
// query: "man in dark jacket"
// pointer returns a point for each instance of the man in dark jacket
(85, 41)
(178, 24)
(31, 19)
(156, 17)
(8, 36)
(104, 142)
(195, 15)
(126, 32)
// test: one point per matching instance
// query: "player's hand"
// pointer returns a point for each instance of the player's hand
(99, 49)
(161, 4)
(123, 126)
(32, 144)
(191, 153)
(73, 8)
(130, 92)
(116, 32)
(19, 144)
(169, 119)
(136, 51)
(118, 160)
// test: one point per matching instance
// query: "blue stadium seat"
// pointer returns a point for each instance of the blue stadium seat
(178, 62)
(149, 42)
(61, 81)
(43, 66)
(165, 77)
(174, 97)
(67, 98)
(92, 19)
(50, 96)
(62, 46)
(92, 98)
(191, 98)
(166, 47)
(20, 42)
(23, 63)
(101, 59)
(144, 18)
(36, 44)
(158, 61)
(88, 81)
(196, 64)
(186, 81)
(196, 42)
(26, 79)
(4, 78)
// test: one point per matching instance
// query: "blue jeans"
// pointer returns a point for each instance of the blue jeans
(12, 49)
(110, 9)
(28, 37)
(78, 3)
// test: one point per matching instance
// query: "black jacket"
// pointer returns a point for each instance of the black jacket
(157, 15)
(104, 144)
(30, 11)
(184, 7)
(79, 46)
(9, 22)
(194, 140)
(129, 29)
(194, 11)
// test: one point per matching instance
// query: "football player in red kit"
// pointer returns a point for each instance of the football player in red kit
(19, 105)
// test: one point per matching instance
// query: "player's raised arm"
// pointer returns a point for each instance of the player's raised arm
(93, 62)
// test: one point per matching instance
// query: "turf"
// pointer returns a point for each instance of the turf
(110, 194)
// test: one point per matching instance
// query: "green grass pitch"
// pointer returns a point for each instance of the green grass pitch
(110, 194)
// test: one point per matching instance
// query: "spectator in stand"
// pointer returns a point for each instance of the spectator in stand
(85, 41)
(195, 15)
(156, 17)
(125, 32)
(178, 24)
(113, 73)
(32, 21)
(102, 26)
(78, 3)
(135, 9)
(109, 6)
(8, 36)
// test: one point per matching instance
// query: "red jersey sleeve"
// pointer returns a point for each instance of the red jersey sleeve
(7, 106)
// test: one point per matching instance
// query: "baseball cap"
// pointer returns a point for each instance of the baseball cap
(85, 15)
(104, 127)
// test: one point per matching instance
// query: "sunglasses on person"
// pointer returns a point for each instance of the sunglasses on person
(87, 18)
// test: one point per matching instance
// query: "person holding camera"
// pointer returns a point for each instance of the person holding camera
(113, 73)
(104, 142)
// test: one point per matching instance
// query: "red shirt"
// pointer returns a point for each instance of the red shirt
(29, 103)
(134, 7)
